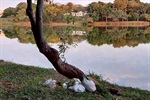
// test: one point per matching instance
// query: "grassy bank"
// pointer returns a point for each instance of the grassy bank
(20, 82)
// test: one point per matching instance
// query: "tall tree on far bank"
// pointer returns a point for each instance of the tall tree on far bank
(9, 12)
(120, 4)
(70, 6)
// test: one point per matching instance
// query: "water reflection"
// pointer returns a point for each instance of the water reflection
(51, 34)
(119, 37)
(127, 64)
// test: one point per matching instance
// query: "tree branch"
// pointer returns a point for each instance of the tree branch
(29, 12)
(39, 23)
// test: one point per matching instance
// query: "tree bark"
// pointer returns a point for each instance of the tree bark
(52, 54)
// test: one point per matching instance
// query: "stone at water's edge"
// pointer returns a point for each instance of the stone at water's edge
(73, 84)
(50, 83)
(89, 84)
(121, 23)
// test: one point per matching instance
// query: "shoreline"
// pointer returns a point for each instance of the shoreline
(93, 24)
(120, 24)
(50, 24)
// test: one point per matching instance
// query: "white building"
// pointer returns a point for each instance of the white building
(78, 14)
(78, 32)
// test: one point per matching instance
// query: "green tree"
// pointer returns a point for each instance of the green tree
(68, 18)
(106, 11)
(20, 15)
(70, 6)
(9, 12)
(20, 12)
(122, 16)
(133, 16)
(120, 4)
(95, 10)
(53, 13)
(59, 17)
(21, 6)
(147, 8)
(145, 17)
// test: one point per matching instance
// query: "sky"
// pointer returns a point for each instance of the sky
(12, 3)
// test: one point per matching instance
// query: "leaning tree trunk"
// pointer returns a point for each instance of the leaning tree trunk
(51, 53)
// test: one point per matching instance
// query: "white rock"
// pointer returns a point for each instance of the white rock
(89, 85)
(64, 85)
(77, 88)
(50, 83)
(74, 84)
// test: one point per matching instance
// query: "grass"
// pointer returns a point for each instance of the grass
(20, 82)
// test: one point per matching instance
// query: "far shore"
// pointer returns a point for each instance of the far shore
(121, 24)
(95, 24)
(50, 23)
(78, 23)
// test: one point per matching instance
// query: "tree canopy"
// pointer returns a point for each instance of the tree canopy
(120, 10)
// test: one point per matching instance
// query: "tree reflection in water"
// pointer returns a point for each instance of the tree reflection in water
(119, 37)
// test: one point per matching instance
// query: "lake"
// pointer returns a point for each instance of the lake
(120, 55)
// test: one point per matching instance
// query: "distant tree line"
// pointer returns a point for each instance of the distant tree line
(120, 10)
(51, 12)
(16, 14)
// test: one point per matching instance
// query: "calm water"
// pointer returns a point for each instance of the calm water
(121, 55)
